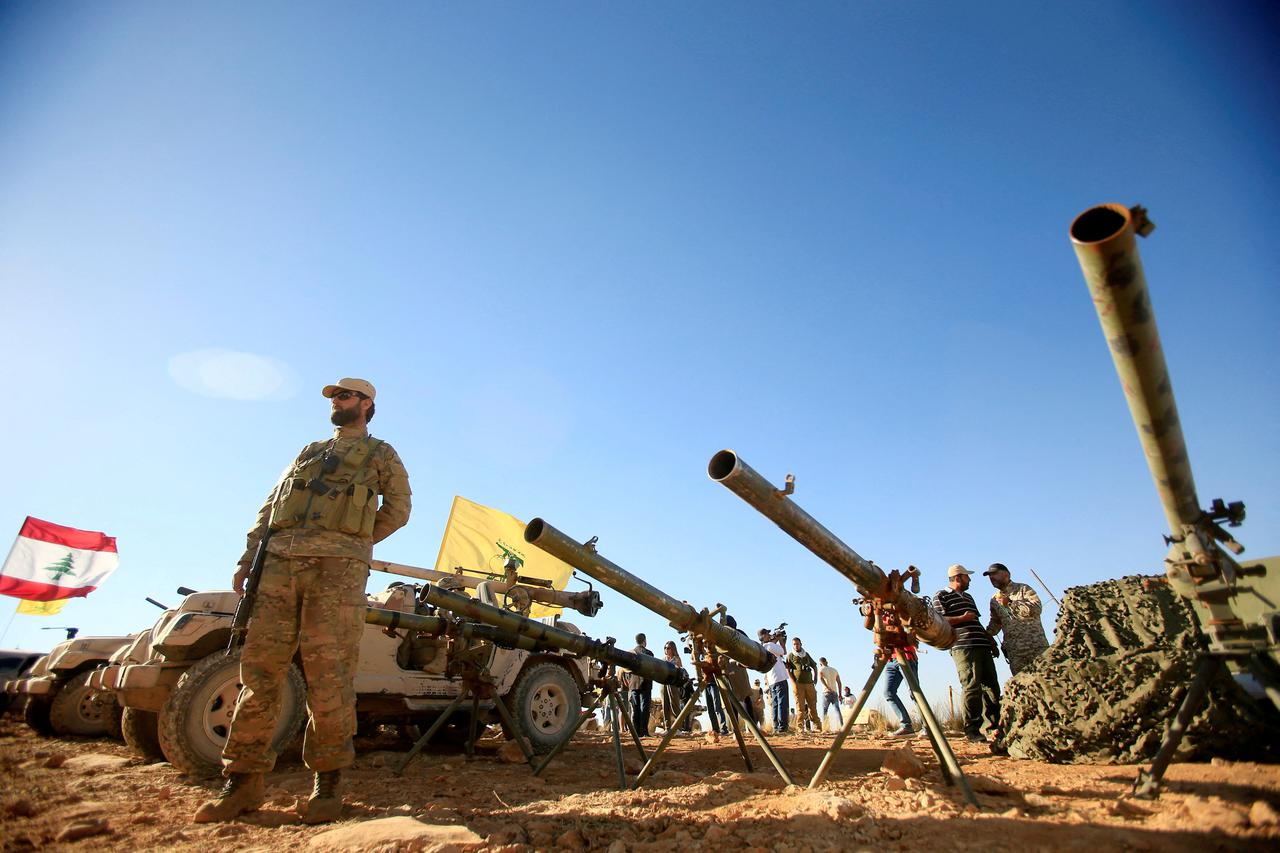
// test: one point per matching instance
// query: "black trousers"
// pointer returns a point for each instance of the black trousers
(977, 670)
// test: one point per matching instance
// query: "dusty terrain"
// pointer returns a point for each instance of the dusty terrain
(701, 798)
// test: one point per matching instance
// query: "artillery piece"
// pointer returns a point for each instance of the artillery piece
(709, 639)
(892, 607)
(1236, 603)
(470, 621)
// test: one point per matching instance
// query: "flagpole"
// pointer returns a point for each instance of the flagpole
(9, 624)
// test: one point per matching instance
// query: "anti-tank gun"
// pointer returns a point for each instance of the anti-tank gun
(469, 625)
(1235, 601)
(709, 638)
(896, 613)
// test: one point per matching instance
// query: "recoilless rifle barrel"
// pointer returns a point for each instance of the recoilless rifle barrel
(681, 615)
(512, 629)
(744, 481)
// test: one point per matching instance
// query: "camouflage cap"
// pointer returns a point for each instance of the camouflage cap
(358, 385)
(956, 570)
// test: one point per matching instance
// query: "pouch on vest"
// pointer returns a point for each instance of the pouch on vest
(360, 511)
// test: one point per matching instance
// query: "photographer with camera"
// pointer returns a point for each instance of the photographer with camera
(776, 679)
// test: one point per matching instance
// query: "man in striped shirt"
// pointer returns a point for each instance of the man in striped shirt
(973, 653)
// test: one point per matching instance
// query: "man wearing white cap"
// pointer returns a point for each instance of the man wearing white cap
(323, 518)
(973, 654)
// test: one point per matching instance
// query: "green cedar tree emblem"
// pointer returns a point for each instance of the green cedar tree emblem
(62, 567)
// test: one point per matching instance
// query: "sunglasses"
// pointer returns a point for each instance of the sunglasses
(347, 395)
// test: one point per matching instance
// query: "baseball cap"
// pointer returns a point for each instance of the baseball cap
(996, 567)
(357, 385)
(956, 570)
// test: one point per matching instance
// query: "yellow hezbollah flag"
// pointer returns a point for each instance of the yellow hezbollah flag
(479, 539)
(41, 608)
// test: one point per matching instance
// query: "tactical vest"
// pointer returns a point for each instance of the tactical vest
(328, 491)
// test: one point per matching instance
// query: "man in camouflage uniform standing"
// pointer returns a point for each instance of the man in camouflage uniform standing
(323, 519)
(1015, 609)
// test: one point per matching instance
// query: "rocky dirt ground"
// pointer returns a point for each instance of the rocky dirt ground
(94, 794)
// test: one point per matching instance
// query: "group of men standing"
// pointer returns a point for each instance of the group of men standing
(1015, 612)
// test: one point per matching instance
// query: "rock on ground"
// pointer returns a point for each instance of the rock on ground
(395, 832)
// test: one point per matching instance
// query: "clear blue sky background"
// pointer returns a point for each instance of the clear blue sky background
(579, 248)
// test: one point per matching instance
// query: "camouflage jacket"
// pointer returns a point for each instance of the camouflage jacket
(393, 513)
(1020, 619)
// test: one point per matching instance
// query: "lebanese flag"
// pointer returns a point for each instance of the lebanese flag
(49, 561)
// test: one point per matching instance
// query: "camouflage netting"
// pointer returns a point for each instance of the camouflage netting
(1104, 692)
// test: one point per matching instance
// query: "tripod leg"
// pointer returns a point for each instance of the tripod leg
(507, 720)
(558, 748)
(754, 728)
(1147, 785)
(820, 775)
(471, 729)
(946, 757)
(730, 704)
(670, 733)
(615, 725)
(435, 727)
(627, 724)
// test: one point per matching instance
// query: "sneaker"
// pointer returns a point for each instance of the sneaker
(975, 739)
(902, 731)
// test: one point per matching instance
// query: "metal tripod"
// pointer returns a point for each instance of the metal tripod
(617, 711)
(950, 766)
(710, 671)
(1210, 663)
(477, 686)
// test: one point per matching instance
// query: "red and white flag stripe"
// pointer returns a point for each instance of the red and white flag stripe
(49, 561)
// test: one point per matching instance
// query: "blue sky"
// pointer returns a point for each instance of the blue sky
(581, 248)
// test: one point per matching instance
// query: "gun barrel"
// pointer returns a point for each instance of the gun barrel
(393, 619)
(1106, 247)
(586, 602)
(680, 614)
(728, 469)
(644, 665)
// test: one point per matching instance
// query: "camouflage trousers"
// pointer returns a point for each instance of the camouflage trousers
(807, 707)
(316, 605)
(1019, 657)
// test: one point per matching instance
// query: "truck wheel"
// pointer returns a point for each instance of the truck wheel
(37, 715)
(138, 728)
(75, 711)
(112, 715)
(545, 703)
(193, 724)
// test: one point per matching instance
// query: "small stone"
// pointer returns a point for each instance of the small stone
(903, 762)
(83, 829)
(510, 753)
(1219, 762)
(163, 793)
(95, 763)
(394, 833)
(54, 761)
(1262, 813)
(989, 785)
(1013, 812)
(632, 766)
(404, 808)
(618, 846)
(895, 783)
(20, 808)
(571, 840)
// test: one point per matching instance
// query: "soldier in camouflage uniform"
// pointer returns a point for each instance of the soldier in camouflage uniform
(324, 518)
(1015, 609)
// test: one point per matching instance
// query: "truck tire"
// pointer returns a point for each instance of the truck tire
(193, 724)
(545, 703)
(112, 716)
(138, 728)
(36, 713)
(75, 711)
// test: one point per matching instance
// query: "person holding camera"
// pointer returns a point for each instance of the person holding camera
(775, 680)
(323, 518)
